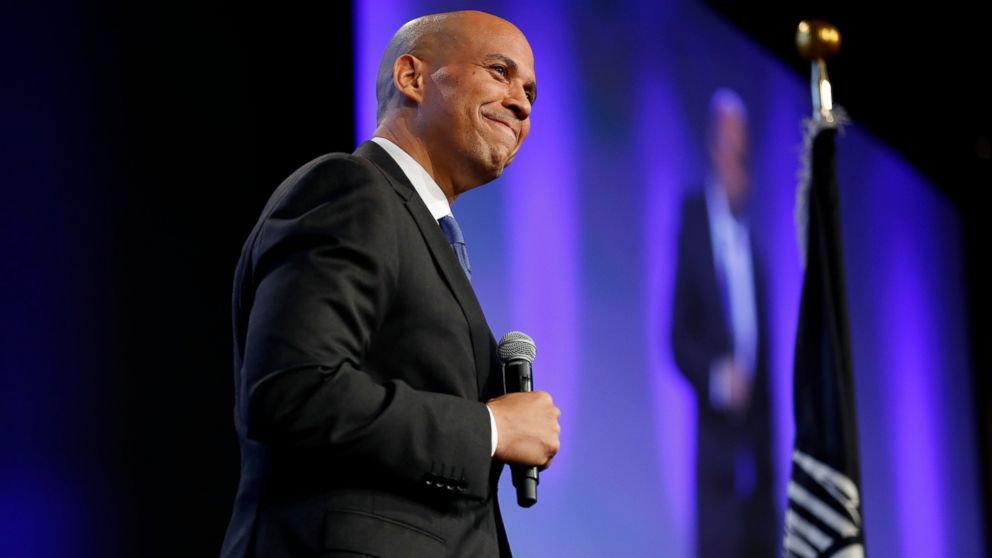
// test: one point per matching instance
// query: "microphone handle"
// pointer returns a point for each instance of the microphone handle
(525, 479)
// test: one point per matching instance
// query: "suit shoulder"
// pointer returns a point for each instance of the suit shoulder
(340, 164)
(327, 176)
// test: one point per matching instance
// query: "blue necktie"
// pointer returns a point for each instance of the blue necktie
(453, 233)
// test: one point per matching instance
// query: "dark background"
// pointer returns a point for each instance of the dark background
(140, 142)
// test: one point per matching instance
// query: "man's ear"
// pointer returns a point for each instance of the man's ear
(408, 77)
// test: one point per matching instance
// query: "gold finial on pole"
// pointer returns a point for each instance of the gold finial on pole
(816, 41)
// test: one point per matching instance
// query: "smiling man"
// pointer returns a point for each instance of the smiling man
(369, 399)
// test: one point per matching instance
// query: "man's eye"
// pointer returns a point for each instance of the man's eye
(501, 70)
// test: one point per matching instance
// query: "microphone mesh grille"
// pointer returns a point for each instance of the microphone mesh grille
(517, 345)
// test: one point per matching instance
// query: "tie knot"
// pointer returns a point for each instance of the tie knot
(451, 230)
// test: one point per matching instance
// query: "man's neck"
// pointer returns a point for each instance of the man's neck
(398, 133)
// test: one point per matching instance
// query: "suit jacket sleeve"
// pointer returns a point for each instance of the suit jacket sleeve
(324, 265)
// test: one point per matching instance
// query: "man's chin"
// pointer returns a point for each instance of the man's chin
(493, 166)
(509, 159)
(505, 161)
(494, 172)
(498, 164)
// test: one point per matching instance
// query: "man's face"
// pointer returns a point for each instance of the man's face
(477, 103)
(730, 157)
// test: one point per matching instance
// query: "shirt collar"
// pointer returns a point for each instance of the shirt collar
(422, 181)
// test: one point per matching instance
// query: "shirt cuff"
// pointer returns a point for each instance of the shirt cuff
(495, 435)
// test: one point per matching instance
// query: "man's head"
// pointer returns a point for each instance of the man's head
(728, 146)
(456, 89)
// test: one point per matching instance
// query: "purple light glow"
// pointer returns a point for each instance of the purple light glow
(674, 402)
(539, 205)
(540, 223)
(907, 363)
(910, 357)
(919, 368)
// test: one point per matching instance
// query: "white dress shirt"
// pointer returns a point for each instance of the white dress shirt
(732, 259)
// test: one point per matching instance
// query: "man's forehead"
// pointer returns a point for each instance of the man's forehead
(477, 36)
(490, 31)
(509, 44)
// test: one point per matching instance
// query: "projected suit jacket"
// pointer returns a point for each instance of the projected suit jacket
(362, 358)
(728, 524)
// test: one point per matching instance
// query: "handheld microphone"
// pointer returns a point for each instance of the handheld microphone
(517, 352)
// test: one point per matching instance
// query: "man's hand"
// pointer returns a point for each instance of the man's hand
(528, 428)
(737, 385)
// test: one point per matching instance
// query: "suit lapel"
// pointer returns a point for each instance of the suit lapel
(444, 257)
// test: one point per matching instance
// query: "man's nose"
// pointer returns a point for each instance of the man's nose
(516, 100)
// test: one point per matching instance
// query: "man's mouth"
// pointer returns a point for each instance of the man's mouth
(504, 125)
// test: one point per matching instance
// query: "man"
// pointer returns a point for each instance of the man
(362, 357)
(719, 337)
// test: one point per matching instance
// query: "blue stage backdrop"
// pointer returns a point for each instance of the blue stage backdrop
(617, 138)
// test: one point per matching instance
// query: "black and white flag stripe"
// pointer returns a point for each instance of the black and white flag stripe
(824, 521)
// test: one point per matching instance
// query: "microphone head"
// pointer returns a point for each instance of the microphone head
(517, 345)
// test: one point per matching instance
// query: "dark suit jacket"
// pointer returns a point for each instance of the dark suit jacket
(362, 358)
(700, 335)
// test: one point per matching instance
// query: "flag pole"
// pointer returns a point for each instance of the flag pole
(817, 41)
(824, 517)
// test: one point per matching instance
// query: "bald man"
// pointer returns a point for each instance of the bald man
(719, 337)
(369, 396)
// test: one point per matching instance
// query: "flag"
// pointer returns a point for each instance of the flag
(823, 517)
